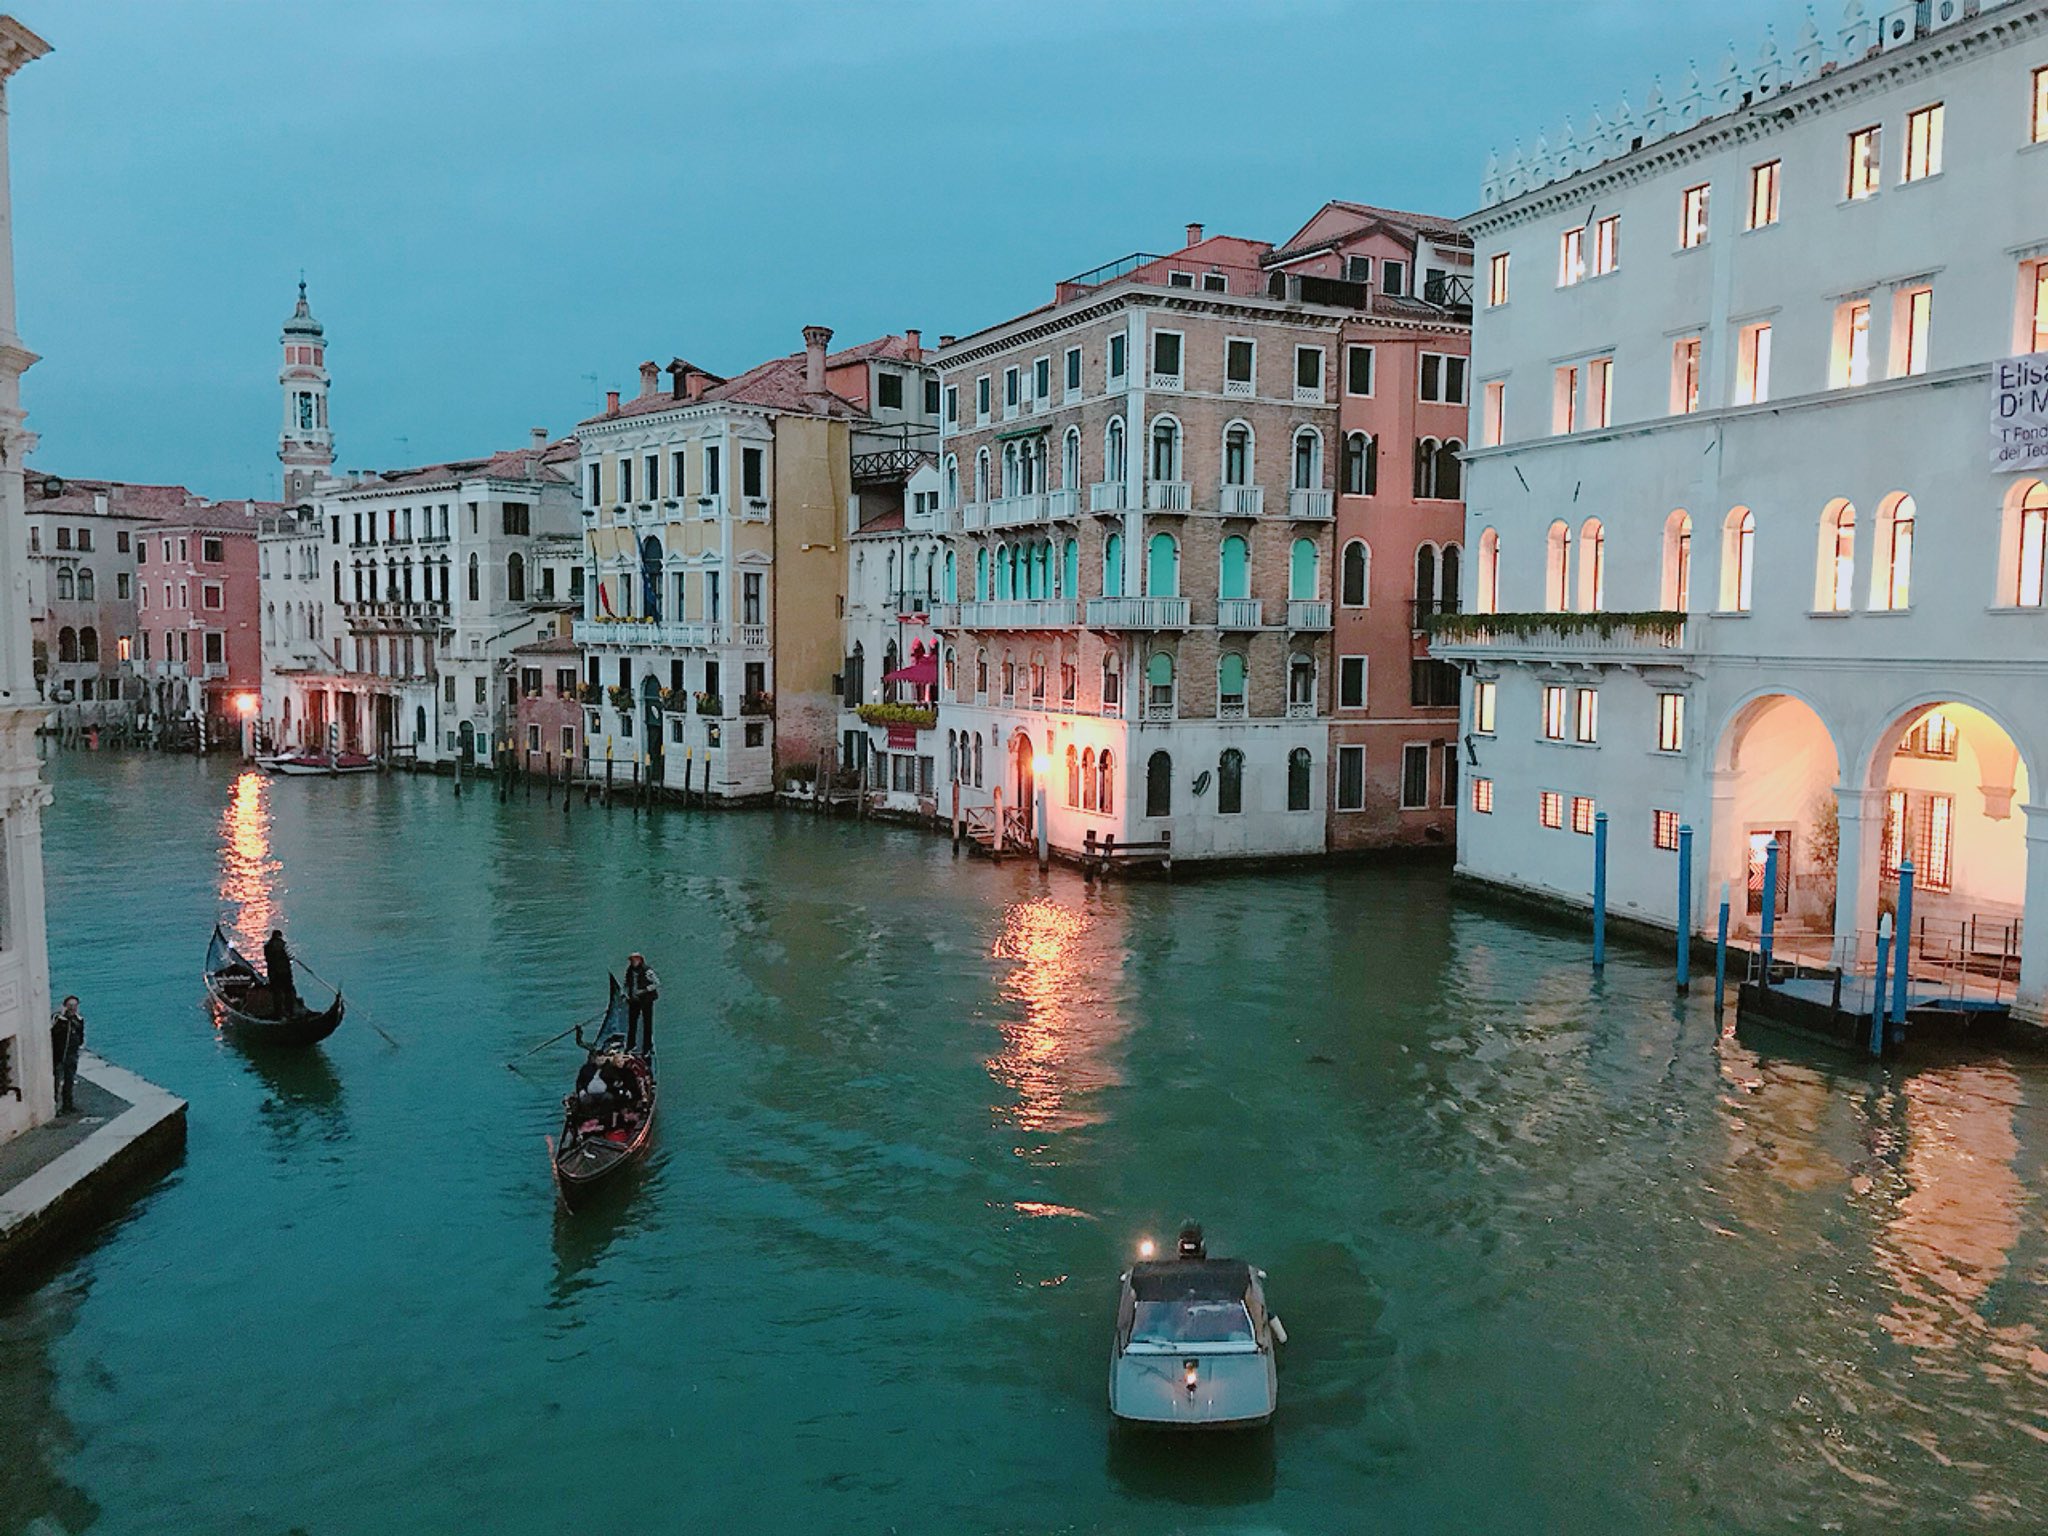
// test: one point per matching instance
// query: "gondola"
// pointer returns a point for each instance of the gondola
(596, 1147)
(243, 998)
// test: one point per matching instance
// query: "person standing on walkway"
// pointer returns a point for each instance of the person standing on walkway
(642, 988)
(67, 1035)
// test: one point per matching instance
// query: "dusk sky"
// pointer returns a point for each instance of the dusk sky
(493, 202)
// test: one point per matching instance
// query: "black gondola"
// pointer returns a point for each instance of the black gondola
(598, 1141)
(241, 994)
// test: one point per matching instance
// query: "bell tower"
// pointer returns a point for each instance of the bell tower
(306, 446)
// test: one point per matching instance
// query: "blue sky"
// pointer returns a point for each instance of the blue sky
(493, 201)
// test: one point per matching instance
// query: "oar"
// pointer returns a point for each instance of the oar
(551, 1039)
(330, 986)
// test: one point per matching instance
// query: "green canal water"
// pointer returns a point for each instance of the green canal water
(1555, 1256)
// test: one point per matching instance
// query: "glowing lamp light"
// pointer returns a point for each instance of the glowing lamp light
(1146, 1248)
(1190, 1369)
(246, 703)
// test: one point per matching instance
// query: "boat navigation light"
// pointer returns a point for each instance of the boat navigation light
(1146, 1248)
(1188, 1369)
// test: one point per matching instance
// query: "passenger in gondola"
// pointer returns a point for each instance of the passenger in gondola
(277, 961)
(642, 988)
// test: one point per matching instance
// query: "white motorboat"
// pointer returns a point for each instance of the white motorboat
(309, 763)
(1195, 1347)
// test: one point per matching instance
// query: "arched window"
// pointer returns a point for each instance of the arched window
(1237, 454)
(1073, 777)
(515, 584)
(1005, 571)
(1159, 685)
(85, 584)
(1112, 685)
(952, 757)
(1070, 570)
(1891, 572)
(1113, 461)
(1299, 766)
(951, 486)
(952, 586)
(1301, 684)
(1105, 783)
(1425, 468)
(1230, 783)
(476, 580)
(1486, 597)
(1159, 785)
(1738, 560)
(1304, 571)
(1592, 566)
(1070, 459)
(1834, 579)
(1230, 685)
(981, 476)
(2027, 540)
(1557, 569)
(1010, 485)
(1162, 567)
(1450, 471)
(1087, 778)
(1357, 575)
(1233, 568)
(981, 574)
(1308, 460)
(67, 644)
(1165, 449)
(270, 634)
(977, 759)
(67, 584)
(1113, 566)
(1676, 588)
(1361, 465)
(981, 673)
(88, 644)
(1009, 675)
(1450, 595)
(1425, 582)
(952, 672)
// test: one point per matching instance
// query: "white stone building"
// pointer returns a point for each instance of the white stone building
(1741, 557)
(894, 574)
(302, 626)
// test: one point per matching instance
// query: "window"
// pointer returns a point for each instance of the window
(1866, 157)
(981, 398)
(1238, 354)
(1012, 388)
(1763, 196)
(1230, 684)
(1041, 379)
(1308, 374)
(1933, 735)
(1892, 577)
(215, 650)
(889, 390)
(1482, 796)
(1564, 399)
(625, 487)
(1685, 376)
(1550, 808)
(1586, 718)
(1361, 464)
(1670, 722)
(1442, 378)
(1180, 279)
(1923, 143)
(1351, 682)
(1229, 783)
(1692, 218)
(209, 549)
(1159, 785)
(1118, 344)
(1497, 280)
(1582, 814)
(1351, 778)
(1599, 391)
(1357, 575)
(209, 593)
(1556, 702)
(1738, 560)
(1415, 776)
(1215, 282)
(1753, 365)
(1493, 423)
(2033, 546)
(1571, 257)
(1664, 829)
(1483, 704)
(1300, 766)
(1607, 245)
(1852, 345)
(1358, 365)
(1433, 684)
(1393, 276)
(2034, 304)
(712, 468)
(1916, 312)
(753, 462)
(1835, 584)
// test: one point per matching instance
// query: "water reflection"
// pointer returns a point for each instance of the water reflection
(38, 1437)
(248, 871)
(1057, 1032)
(305, 1094)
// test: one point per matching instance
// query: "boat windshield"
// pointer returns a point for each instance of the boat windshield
(1188, 1321)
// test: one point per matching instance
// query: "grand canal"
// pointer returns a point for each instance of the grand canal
(1554, 1255)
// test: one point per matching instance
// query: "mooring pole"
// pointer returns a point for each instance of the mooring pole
(1902, 949)
(1877, 993)
(1770, 919)
(1599, 890)
(956, 814)
(1684, 906)
(1044, 834)
(1721, 954)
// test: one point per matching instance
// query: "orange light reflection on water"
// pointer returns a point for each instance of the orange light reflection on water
(1056, 1034)
(248, 872)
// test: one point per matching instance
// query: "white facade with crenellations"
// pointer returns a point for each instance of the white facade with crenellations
(1741, 556)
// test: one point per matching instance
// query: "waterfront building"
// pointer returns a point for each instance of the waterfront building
(26, 1087)
(81, 593)
(716, 517)
(302, 628)
(547, 699)
(1152, 489)
(199, 598)
(889, 679)
(1749, 552)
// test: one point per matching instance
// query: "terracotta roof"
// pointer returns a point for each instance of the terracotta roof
(776, 385)
(170, 504)
(511, 464)
(889, 522)
(554, 645)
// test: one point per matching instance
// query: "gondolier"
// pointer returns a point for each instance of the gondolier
(642, 988)
(277, 967)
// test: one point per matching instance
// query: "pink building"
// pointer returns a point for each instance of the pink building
(197, 597)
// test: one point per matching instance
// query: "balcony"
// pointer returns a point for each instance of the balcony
(1301, 709)
(1309, 504)
(639, 632)
(1230, 709)
(1302, 616)
(1137, 613)
(1108, 496)
(974, 514)
(1157, 713)
(1167, 496)
(1241, 500)
(1654, 638)
(1013, 511)
(1031, 613)
(1308, 394)
(1172, 381)
(1239, 389)
(1062, 506)
(1238, 613)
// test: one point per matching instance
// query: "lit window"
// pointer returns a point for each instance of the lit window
(1550, 808)
(1895, 553)
(2039, 134)
(1923, 143)
(1852, 344)
(1685, 376)
(1670, 722)
(1482, 796)
(1866, 153)
(1763, 195)
(1692, 220)
(2033, 572)
(1664, 829)
(1482, 707)
(1738, 561)
(1497, 280)
(1586, 723)
(1838, 558)
(1599, 391)
(1753, 366)
(2034, 295)
(1571, 257)
(1555, 705)
(1582, 814)
(1607, 245)
(1916, 313)
(1493, 427)
(1564, 400)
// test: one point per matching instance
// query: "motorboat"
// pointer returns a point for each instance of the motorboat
(1195, 1347)
(309, 763)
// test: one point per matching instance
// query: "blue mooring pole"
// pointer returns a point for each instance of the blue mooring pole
(1770, 922)
(1599, 890)
(1877, 993)
(1684, 906)
(1902, 949)
(1721, 953)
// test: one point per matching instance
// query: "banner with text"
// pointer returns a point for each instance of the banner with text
(2019, 413)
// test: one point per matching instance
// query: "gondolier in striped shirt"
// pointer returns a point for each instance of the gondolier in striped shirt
(642, 988)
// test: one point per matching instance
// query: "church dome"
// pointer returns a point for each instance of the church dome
(302, 322)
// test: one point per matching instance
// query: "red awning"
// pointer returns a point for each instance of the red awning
(922, 672)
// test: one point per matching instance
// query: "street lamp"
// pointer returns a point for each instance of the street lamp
(245, 706)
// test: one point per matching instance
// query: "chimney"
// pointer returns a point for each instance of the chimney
(946, 341)
(675, 379)
(695, 382)
(611, 402)
(99, 502)
(916, 341)
(1194, 234)
(816, 338)
(650, 379)
(540, 439)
